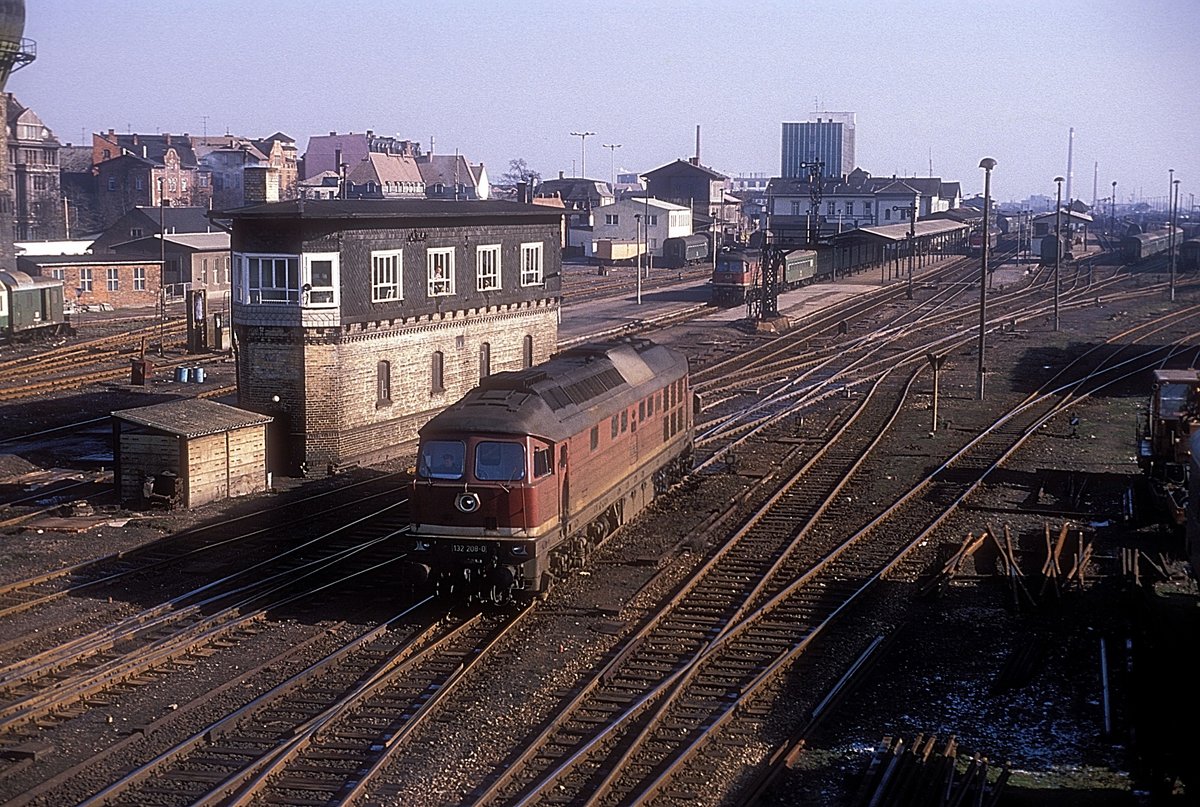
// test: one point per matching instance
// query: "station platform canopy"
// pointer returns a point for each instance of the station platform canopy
(895, 233)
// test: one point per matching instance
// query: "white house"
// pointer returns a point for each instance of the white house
(651, 221)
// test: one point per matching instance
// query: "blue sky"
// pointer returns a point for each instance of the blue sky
(941, 82)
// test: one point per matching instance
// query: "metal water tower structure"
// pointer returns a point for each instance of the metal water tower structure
(15, 53)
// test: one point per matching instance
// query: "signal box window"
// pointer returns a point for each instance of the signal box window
(383, 383)
(487, 268)
(440, 267)
(437, 371)
(615, 429)
(531, 264)
(499, 462)
(595, 437)
(385, 275)
(442, 459)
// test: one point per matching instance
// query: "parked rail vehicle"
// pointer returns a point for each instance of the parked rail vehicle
(525, 475)
(1165, 439)
(1140, 246)
(975, 240)
(685, 250)
(737, 274)
(1189, 255)
(30, 305)
(1047, 257)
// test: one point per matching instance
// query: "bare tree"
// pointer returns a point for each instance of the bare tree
(519, 171)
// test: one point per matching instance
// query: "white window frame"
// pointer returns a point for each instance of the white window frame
(439, 274)
(324, 295)
(387, 275)
(532, 266)
(487, 267)
(278, 295)
(85, 279)
(112, 280)
(612, 219)
(139, 278)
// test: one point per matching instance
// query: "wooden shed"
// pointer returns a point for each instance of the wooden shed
(189, 452)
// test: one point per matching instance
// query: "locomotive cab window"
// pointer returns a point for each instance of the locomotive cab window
(499, 462)
(442, 459)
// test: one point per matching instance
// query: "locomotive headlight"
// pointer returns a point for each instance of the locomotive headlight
(421, 546)
(466, 502)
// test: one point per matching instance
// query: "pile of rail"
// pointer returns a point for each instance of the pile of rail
(914, 774)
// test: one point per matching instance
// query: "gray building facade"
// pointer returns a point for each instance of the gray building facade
(828, 139)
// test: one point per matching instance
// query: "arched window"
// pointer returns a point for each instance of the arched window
(438, 384)
(527, 351)
(485, 360)
(383, 383)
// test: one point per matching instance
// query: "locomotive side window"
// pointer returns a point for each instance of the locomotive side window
(442, 459)
(542, 462)
(500, 462)
(1173, 399)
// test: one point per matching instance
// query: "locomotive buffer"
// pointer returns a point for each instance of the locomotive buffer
(777, 244)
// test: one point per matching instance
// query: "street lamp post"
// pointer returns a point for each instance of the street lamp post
(637, 235)
(912, 240)
(612, 149)
(646, 208)
(583, 136)
(162, 269)
(1171, 225)
(987, 164)
(1112, 211)
(1057, 245)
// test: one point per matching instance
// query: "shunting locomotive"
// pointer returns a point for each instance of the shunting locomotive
(521, 479)
(1165, 438)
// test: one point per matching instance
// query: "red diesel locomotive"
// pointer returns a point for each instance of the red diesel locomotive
(519, 480)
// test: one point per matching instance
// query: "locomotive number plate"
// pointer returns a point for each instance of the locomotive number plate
(470, 549)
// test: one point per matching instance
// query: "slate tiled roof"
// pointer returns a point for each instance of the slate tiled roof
(317, 209)
(154, 147)
(192, 417)
(687, 166)
(385, 169)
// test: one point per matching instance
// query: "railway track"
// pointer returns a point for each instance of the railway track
(320, 734)
(657, 740)
(61, 678)
(671, 706)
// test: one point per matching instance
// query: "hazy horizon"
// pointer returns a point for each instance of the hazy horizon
(502, 81)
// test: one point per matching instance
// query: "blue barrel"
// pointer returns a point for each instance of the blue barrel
(183, 374)
(198, 375)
